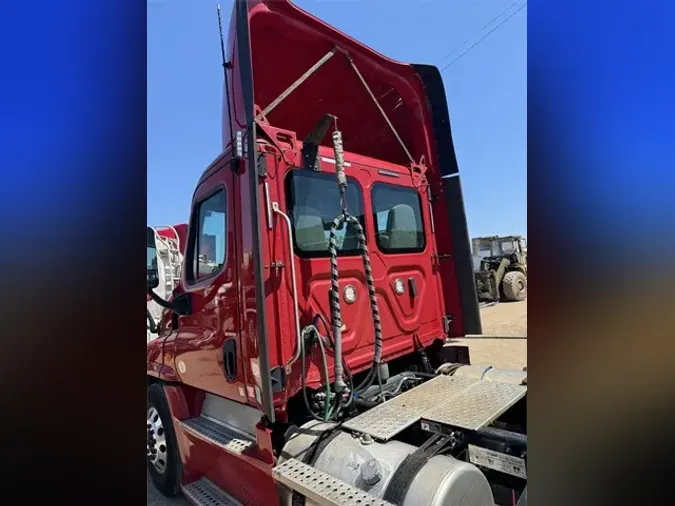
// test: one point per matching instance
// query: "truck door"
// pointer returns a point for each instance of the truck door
(207, 347)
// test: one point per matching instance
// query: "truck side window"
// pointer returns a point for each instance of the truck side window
(398, 218)
(210, 245)
(313, 201)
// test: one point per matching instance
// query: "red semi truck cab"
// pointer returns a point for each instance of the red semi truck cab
(405, 194)
(251, 352)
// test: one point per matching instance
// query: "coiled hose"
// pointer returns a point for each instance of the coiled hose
(336, 315)
(311, 329)
(315, 321)
(330, 412)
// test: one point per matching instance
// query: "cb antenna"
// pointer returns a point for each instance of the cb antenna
(226, 65)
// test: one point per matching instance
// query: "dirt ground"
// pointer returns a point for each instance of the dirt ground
(503, 343)
(506, 320)
(499, 353)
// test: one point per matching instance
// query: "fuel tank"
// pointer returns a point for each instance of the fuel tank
(370, 466)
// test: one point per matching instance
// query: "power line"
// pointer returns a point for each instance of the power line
(478, 31)
(485, 36)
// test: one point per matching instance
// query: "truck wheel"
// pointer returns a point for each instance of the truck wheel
(164, 464)
(514, 285)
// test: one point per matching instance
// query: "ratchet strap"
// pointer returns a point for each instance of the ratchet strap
(405, 474)
(312, 454)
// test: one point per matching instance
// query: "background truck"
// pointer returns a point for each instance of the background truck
(501, 267)
(307, 359)
(166, 245)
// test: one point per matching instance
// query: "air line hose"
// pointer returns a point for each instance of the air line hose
(328, 411)
(336, 314)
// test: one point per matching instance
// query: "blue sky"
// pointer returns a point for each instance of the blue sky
(486, 90)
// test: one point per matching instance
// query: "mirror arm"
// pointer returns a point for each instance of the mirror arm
(159, 300)
(181, 305)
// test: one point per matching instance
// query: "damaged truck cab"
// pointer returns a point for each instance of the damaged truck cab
(303, 356)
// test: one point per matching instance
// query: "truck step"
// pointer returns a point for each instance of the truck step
(217, 434)
(491, 374)
(205, 493)
(477, 406)
(322, 488)
(386, 420)
(464, 402)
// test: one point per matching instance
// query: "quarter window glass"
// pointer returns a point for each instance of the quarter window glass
(210, 244)
(398, 218)
(314, 202)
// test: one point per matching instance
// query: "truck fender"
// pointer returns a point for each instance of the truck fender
(184, 401)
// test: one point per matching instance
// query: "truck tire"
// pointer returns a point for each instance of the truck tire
(164, 464)
(514, 286)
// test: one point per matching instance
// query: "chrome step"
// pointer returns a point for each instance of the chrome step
(204, 492)
(321, 488)
(217, 434)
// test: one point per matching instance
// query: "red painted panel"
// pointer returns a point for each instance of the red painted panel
(285, 42)
(196, 350)
(401, 315)
(184, 402)
(247, 479)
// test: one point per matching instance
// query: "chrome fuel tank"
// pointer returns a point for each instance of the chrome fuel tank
(370, 466)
